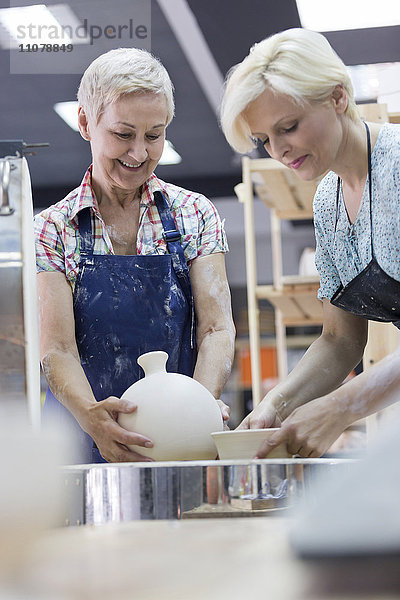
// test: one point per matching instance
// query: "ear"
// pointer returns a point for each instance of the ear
(339, 99)
(83, 124)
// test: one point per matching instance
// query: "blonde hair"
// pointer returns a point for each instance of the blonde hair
(123, 71)
(296, 62)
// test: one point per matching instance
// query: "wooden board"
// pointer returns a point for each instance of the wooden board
(260, 504)
(301, 280)
(237, 508)
(282, 190)
(221, 559)
(298, 303)
(377, 113)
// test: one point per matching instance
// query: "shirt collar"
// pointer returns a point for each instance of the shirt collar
(85, 197)
(152, 185)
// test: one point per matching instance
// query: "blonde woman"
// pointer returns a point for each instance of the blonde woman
(294, 95)
(127, 264)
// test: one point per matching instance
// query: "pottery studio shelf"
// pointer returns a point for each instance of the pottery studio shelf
(293, 297)
(281, 190)
(296, 300)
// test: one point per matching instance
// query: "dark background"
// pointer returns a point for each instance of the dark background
(229, 27)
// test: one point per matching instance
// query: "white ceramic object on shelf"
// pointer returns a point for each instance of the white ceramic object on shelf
(244, 443)
(307, 266)
(176, 412)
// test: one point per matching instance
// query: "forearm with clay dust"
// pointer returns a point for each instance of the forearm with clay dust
(215, 331)
(214, 360)
(371, 391)
(321, 370)
(68, 382)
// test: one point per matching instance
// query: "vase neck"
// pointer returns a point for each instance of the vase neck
(153, 362)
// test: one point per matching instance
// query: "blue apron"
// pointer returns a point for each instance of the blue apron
(125, 306)
(372, 294)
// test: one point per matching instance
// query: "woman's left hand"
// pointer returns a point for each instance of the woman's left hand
(310, 429)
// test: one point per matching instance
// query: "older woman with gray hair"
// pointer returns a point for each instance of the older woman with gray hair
(294, 95)
(127, 264)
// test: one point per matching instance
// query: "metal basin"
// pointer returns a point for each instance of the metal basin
(105, 493)
(19, 339)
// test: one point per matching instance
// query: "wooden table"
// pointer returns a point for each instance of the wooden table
(205, 559)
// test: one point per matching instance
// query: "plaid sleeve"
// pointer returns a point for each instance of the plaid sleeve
(211, 234)
(50, 254)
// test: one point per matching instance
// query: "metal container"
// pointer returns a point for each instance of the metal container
(105, 493)
(19, 345)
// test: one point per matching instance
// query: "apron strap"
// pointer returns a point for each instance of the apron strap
(370, 185)
(172, 237)
(339, 183)
(86, 238)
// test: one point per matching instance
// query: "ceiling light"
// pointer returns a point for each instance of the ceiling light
(170, 156)
(68, 111)
(377, 82)
(342, 14)
(39, 24)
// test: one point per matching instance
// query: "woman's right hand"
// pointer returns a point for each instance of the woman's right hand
(112, 440)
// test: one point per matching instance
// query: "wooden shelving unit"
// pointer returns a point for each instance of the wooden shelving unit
(293, 297)
(296, 302)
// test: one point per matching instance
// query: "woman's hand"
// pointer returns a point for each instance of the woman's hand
(263, 416)
(225, 411)
(309, 430)
(110, 438)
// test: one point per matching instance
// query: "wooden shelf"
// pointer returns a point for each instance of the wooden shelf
(300, 280)
(293, 297)
(303, 289)
(394, 117)
(298, 303)
(292, 341)
(282, 190)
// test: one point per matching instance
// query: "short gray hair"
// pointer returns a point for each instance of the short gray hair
(296, 62)
(123, 71)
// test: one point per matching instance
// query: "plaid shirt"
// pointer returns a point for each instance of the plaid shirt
(57, 234)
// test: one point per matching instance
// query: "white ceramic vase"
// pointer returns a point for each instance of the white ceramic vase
(176, 412)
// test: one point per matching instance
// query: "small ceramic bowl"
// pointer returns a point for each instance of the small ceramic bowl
(244, 443)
